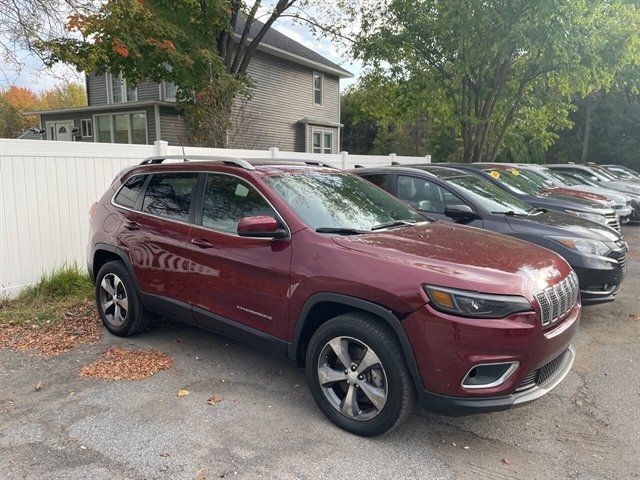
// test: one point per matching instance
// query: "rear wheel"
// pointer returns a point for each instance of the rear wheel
(118, 300)
(358, 376)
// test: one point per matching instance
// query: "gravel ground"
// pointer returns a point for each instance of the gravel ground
(267, 425)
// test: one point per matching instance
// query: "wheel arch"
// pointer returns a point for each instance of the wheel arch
(104, 253)
(321, 307)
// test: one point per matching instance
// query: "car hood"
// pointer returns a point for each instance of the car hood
(613, 194)
(561, 224)
(622, 186)
(456, 256)
(566, 192)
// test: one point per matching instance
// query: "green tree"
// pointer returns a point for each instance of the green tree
(499, 72)
(188, 42)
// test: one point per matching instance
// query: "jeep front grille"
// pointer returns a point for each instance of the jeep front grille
(557, 300)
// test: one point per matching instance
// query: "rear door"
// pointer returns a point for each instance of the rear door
(242, 279)
(154, 234)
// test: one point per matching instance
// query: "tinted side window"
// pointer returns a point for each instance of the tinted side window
(425, 195)
(128, 194)
(169, 195)
(378, 179)
(229, 199)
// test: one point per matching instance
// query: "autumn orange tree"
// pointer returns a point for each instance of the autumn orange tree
(189, 42)
(15, 101)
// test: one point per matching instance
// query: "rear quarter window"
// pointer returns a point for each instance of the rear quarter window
(128, 194)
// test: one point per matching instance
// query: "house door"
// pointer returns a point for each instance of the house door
(61, 131)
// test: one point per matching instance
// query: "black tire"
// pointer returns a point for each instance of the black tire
(136, 318)
(366, 330)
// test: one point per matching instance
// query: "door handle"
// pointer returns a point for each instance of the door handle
(131, 225)
(202, 243)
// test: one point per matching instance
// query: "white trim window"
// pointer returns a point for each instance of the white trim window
(322, 141)
(169, 91)
(86, 128)
(318, 81)
(125, 127)
(119, 91)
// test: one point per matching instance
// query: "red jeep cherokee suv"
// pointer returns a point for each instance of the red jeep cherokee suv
(330, 271)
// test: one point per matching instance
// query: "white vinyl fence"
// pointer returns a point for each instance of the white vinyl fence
(46, 189)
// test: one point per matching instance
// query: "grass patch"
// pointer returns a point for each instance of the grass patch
(47, 301)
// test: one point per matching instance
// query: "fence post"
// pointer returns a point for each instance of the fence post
(344, 157)
(160, 148)
(427, 158)
(274, 152)
(392, 158)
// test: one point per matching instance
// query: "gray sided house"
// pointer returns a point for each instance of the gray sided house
(295, 105)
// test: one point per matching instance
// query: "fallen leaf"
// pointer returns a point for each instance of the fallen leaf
(466, 447)
(71, 392)
(213, 400)
(579, 403)
(506, 461)
(39, 386)
(183, 393)
(122, 364)
(165, 454)
(201, 474)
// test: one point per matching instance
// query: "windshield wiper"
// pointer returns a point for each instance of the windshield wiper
(341, 230)
(394, 223)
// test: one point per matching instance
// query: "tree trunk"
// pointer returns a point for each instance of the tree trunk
(586, 134)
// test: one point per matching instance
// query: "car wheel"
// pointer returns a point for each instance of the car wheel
(118, 300)
(358, 376)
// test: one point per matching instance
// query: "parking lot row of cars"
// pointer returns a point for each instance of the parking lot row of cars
(574, 210)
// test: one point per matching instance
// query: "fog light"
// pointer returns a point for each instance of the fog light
(488, 375)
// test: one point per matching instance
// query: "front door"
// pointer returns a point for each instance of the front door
(430, 198)
(61, 131)
(237, 278)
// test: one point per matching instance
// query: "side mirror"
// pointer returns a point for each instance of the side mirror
(460, 212)
(261, 226)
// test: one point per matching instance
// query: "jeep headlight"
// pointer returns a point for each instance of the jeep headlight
(471, 304)
(584, 245)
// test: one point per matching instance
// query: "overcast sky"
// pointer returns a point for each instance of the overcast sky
(33, 75)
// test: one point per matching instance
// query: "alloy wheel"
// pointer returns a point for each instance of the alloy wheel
(114, 301)
(352, 378)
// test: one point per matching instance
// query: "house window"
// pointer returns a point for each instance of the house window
(120, 91)
(169, 91)
(122, 128)
(317, 88)
(322, 141)
(86, 128)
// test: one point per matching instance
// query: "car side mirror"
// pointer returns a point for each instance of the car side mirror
(260, 226)
(460, 212)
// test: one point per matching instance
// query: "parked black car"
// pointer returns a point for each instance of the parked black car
(596, 252)
(499, 176)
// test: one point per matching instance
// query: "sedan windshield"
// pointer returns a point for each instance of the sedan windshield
(517, 182)
(490, 197)
(336, 202)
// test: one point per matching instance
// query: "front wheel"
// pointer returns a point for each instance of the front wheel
(358, 376)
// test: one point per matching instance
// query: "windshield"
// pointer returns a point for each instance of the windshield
(535, 178)
(490, 197)
(583, 177)
(337, 200)
(603, 172)
(517, 183)
(565, 179)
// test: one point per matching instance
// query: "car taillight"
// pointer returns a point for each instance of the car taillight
(92, 210)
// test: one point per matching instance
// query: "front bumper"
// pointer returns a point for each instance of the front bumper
(457, 406)
(600, 277)
(446, 348)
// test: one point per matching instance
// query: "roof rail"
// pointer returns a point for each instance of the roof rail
(239, 162)
(319, 164)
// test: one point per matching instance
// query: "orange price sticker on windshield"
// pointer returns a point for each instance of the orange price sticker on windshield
(515, 171)
(495, 174)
